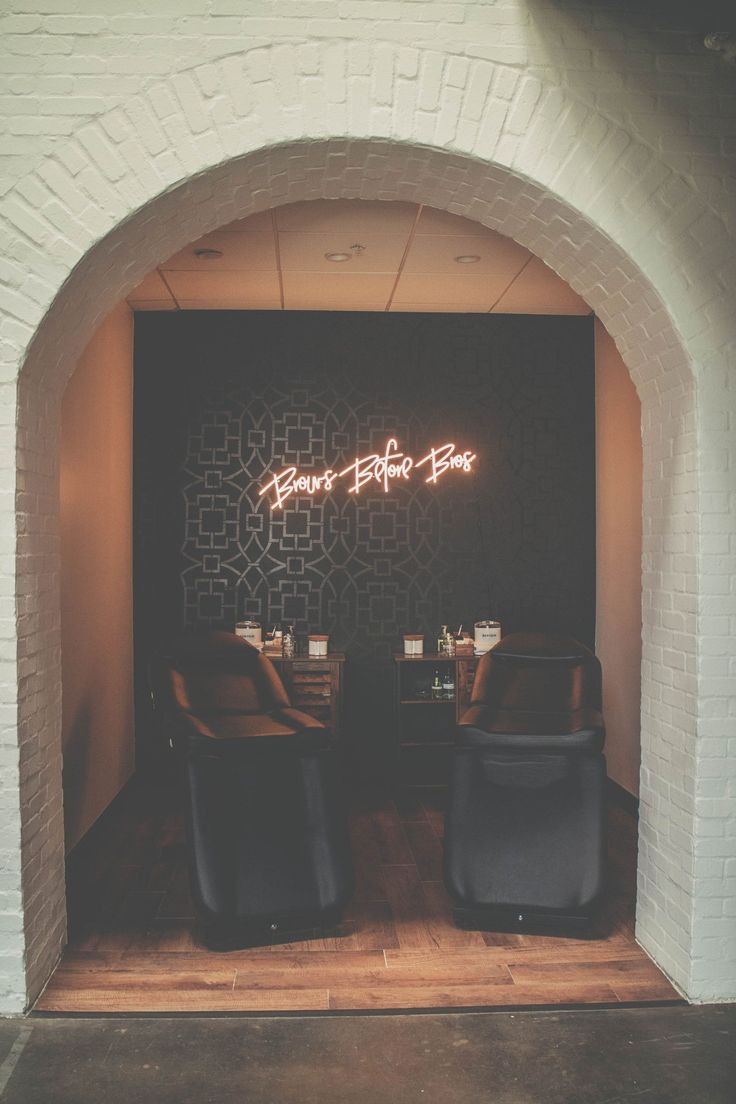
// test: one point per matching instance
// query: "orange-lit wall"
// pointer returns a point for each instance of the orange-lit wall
(96, 575)
(618, 554)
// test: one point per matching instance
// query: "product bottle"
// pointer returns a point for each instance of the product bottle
(442, 640)
(288, 644)
(436, 686)
(448, 685)
(449, 643)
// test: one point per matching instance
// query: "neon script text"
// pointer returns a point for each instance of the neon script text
(382, 468)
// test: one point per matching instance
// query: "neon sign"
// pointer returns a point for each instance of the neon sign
(384, 469)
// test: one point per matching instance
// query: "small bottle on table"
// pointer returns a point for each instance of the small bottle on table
(288, 643)
(442, 640)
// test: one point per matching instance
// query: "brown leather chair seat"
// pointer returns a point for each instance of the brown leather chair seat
(224, 689)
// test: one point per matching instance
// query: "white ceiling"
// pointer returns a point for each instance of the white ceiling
(402, 258)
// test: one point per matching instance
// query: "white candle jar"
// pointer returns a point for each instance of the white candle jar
(413, 644)
(317, 644)
(250, 631)
(487, 635)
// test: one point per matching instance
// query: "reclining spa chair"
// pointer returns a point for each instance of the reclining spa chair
(267, 832)
(525, 828)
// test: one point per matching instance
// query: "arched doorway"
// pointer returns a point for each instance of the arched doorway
(216, 173)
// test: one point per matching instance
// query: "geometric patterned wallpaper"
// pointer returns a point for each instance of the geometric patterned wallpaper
(224, 399)
(365, 567)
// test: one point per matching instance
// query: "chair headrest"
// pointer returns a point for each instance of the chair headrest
(541, 647)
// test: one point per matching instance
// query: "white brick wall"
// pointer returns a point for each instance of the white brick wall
(598, 139)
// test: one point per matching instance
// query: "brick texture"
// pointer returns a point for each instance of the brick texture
(600, 139)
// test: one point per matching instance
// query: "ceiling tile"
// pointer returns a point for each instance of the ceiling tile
(445, 308)
(150, 287)
(348, 215)
(539, 290)
(439, 291)
(436, 253)
(240, 251)
(252, 224)
(252, 288)
(359, 305)
(335, 290)
(306, 252)
(151, 304)
(229, 304)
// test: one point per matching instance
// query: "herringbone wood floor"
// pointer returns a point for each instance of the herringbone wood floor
(133, 945)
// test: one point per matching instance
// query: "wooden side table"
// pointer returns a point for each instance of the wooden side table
(425, 728)
(315, 685)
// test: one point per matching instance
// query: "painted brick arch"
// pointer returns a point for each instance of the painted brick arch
(307, 119)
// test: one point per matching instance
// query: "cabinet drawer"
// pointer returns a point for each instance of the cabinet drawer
(314, 686)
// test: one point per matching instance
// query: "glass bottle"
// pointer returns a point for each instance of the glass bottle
(448, 685)
(436, 686)
(442, 640)
(449, 644)
(288, 643)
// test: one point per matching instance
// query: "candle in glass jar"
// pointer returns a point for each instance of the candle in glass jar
(250, 631)
(487, 634)
(317, 644)
(413, 644)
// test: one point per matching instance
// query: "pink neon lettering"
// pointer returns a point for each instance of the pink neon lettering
(381, 468)
(286, 483)
(363, 468)
(384, 469)
(445, 457)
(283, 486)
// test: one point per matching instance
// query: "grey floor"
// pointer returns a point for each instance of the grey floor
(661, 1055)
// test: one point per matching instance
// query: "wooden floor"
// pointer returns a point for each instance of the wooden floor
(133, 944)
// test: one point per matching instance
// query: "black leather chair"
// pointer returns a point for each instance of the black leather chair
(267, 831)
(525, 826)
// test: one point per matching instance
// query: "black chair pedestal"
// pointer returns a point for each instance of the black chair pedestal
(525, 836)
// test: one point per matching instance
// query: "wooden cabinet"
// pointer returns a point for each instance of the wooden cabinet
(425, 727)
(315, 685)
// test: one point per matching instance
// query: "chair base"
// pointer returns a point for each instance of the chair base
(239, 935)
(528, 921)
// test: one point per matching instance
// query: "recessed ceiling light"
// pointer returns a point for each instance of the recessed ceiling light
(337, 257)
(207, 254)
(467, 258)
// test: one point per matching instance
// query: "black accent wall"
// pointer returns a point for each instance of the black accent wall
(221, 397)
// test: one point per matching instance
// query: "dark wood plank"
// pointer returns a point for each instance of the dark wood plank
(369, 927)
(652, 990)
(468, 996)
(143, 980)
(446, 936)
(426, 849)
(176, 1000)
(385, 827)
(409, 907)
(369, 884)
(563, 970)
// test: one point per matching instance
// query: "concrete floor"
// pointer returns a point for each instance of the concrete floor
(663, 1055)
